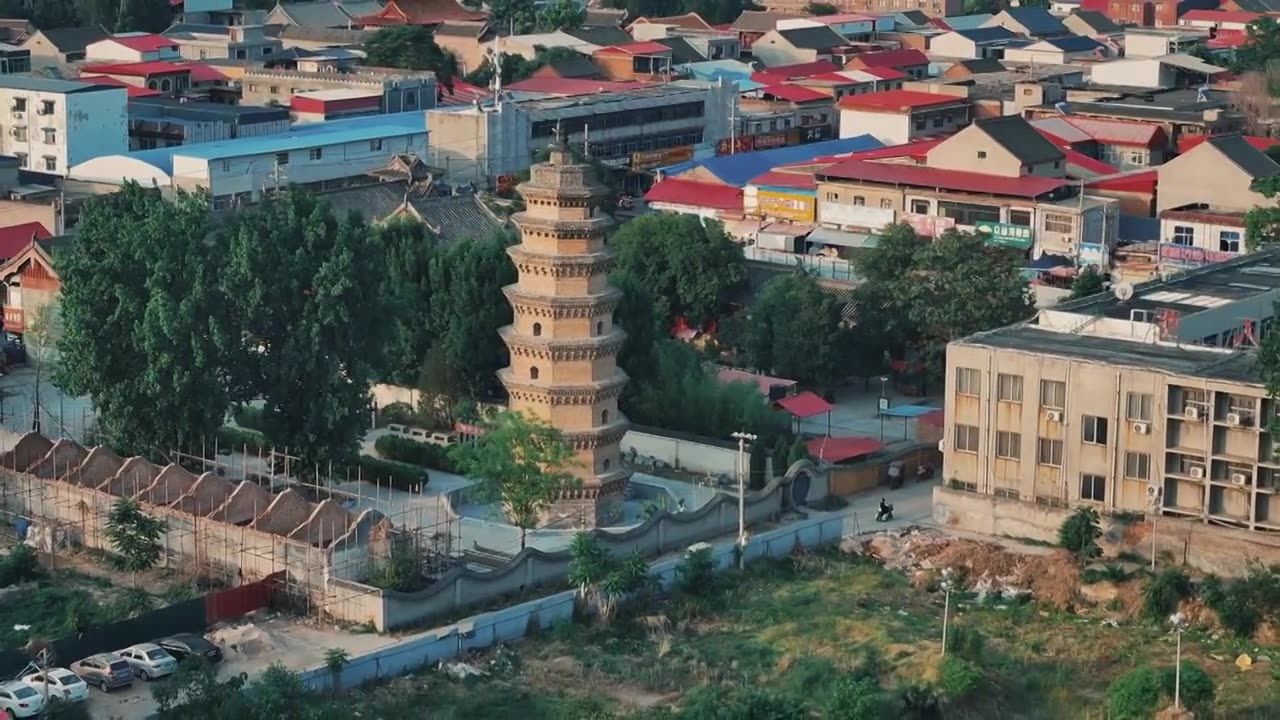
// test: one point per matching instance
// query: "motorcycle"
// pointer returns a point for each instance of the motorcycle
(885, 514)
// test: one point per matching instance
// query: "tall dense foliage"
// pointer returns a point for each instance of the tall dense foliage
(411, 47)
(114, 15)
(794, 330)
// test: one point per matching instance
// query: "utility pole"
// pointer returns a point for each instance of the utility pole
(946, 606)
(743, 438)
(1179, 622)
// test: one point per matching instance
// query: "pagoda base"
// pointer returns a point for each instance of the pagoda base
(590, 506)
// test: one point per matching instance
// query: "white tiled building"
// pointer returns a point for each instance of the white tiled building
(50, 125)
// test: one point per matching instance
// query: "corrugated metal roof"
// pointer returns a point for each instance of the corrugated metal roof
(696, 194)
(794, 93)
(898, 100)
(740, 168)
(920, 176)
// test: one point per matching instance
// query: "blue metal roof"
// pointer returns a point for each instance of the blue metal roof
(738, 169)
(306, 135)
(967, 22)
(730, 70)
(1075, 43)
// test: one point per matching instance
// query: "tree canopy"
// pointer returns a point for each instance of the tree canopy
(1262, 223)
(688, 265)
(1089, 282)
(794, 330)
(713, 11)
(411, 47)
(1261, 47)
(920, 295)
(147, 327)
(517, 67)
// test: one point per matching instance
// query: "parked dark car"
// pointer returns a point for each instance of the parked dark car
(184, 645)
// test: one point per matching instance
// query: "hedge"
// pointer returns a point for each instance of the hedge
(401, 475)
(242, 440)
(249, 416)
(394, 447)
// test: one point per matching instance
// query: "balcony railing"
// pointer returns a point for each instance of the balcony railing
(14, 319)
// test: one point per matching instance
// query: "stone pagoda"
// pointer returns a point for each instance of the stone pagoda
(563, 342)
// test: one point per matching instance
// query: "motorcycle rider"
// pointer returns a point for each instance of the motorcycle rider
(886, 511)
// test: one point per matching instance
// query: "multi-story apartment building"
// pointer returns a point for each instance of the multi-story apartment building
(240, 42)
(1128, 403)
(402, 90)
(50, 125)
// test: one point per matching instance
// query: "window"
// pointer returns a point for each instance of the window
(1053, 394)
(226, 166)
(253, 87)
(1184, 235)
(1137, 465)
(274, 89)
(19, 133)
(1057, 164)
(204, 54)
(268, 50)
(282, 158)
(164, 84)
(982, 154)
(604, 417)
(46, 107)
(920, 123)
(1093, 487)
(537, 329)
(1009, 388)
(1137, 158)
(375, 145)
(606, 463)
(315, 153)
(1138, 406)
(1021, 218)
(600, 328)
(1049, 452)
(1094, 430)
(50, 136)
(859, 200)
(1009, 445)
(533, 373)
(966, 438)
(968, 213)
(831, 197)
(968, 381)
(411, 99)
(1229, 241)
(22, 159)
(920, 207)
(937, 121)
(886, 204)
(50, 163)
(1058, 223)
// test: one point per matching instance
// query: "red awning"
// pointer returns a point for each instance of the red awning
(805, 404)
(835, 450)
(936, 418)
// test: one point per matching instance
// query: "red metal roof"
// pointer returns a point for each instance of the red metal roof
(419, 12)
(137, 69)
(834, 450)
(940, 23)
(1120, 132)
(1225, 16)
(637, 48)
(15, 238)
(132, 91)
(1079, 159)
(463, 93)
(936, 418)
(573, 86)
(1186, 142)
(1225, 41)
(889, 58)
(781, 73)
(1143, 181)
(144, 43)
(762, 382)
(794, 93)
(918, 151)
(202, 73)
(805, 404)
(897, 100)
(786, 179)
(311, 104)
(963, 181)
(884, 73)
(696, 194)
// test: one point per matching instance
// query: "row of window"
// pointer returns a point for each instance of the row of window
(19, 134)
(1228, 240)
(314, 154)
(49, 163)
(620, 118)
(20, 105)
(1137, 465)
(1053, 393)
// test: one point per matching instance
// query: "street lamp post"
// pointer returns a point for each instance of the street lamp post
(882, 404)
(743, 438)
(1179, 622)
(946, 606)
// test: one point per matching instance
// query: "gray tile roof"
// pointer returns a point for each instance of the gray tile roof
(372, 202)
(1099, 23)
(322, 14)
(681, 51)
(74, 39)
(814, 38)
(457, 218)
(1245, 156)
(1015, 134)
(1036, 20)
(761, 21)
(337, 36)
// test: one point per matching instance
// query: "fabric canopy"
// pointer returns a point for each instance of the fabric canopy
(835, 450)
(805, 404)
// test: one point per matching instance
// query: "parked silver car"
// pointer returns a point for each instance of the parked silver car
(149, 661)
(105, 671)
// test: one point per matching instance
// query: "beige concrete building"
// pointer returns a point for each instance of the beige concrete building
(563, 340)
(1150, 403)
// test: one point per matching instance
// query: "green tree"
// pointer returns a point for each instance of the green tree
(739, 703)
(408, 250)
(468, 309)
(858, 697)
(561, 15)
(1079, 534)
(1198, 691)
(1088, 282)
(336, 658)
(636, 315)
(689, 266)
(195, 692)
(135, 536)
(1136, 694)
(309, 291)
(820, 9)
(1261, 47)
(520, 461)
(59, 709)
(1161, 597)
(794, 330)
(146, 329)
(958, 679)
(411, 47)
(799, 451)
(144, 16)
(1262, 223)
(513, 16)
(588, 562)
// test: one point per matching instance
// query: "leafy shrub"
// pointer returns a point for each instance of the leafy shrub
(250, 416)
(695, 574)
(19, 566)
(59, 709)
(1244, 602)
(958, 678)
(242, 440)
(708, 703)
(1135, 694)
(405, 450)
(1198, 691)
(858, 698)
(916, 700)
(588, 562)
(1111, 572)
(398, 413)
(1164, 592)
(966, 642)
(810, 676)
(400, 475)
(402, 571)
(1080, 532)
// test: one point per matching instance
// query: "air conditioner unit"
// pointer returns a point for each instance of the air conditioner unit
(1233, 418)
(1239, 479)
(17, 114)
(1054, 416)
(942, 445)
(1141, 428)
(1155, 491)
(1191, 412)
(1196, 472)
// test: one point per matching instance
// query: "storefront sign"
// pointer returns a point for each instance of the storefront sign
(786, 206)
(650, 159)
(1005, 234)
(771, 140)
(1092, 254)
(1189, 256)
(817, 133)
(858, 216)
(928, 225)
(729, 146)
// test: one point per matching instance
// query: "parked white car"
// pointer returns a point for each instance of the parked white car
(20, 700)
(62, 684)
(149, 661)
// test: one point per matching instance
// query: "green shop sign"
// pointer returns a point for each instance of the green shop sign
(1003, 234)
